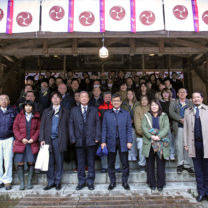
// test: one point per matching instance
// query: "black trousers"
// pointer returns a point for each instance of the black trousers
(56, 163)
(124, 162)
(151, 178)
(201, 169)
(83, 154)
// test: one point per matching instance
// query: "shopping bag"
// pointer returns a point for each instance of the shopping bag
(43, 158)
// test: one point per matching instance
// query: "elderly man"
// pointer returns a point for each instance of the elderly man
(7, 116)
(196, 142)
(85, 133)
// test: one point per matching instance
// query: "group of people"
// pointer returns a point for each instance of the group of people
(145, 119)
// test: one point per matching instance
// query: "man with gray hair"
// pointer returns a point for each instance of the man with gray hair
(7, 116)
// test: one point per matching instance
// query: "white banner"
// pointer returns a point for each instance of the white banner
(3, 15)
(55, 14)
(117, 15)
(203, 15)
(87, 15)
(178, 15)
(26, 16)
(149, 15)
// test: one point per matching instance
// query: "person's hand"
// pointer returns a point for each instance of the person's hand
(30, 141)
(129, 145)
(96, 141)
(24, 141)
(186, 148)
(181, 121)
(157, 138)
(42, 143)
(103, 145)
(153, 137)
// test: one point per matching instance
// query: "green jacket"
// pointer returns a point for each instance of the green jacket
(127, 107)
(163, 133)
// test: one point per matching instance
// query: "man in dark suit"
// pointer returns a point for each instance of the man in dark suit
(85, 133)
(117, 136)
(54, 131)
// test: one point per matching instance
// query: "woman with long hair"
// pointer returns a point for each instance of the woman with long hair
(155, 126)
(129, 105)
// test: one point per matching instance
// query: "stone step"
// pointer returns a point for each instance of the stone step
(132, 165)
(70, 177)
(174, 195)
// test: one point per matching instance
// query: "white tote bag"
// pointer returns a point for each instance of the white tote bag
(43, 158)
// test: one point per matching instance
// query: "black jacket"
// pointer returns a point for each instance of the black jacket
(67, 102)
(92, 129)
(46, 125)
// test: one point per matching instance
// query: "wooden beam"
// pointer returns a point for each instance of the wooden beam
(187, 43)
(157, 34)
(74, 47)
(132, 46)
(94, 51)
(162, 45)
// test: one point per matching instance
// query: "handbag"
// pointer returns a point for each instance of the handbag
(43, 158)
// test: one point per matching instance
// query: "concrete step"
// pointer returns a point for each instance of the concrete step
(132, 165)
(70, 177)
(174, 195)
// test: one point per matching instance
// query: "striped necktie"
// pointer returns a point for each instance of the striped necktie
(85, 114)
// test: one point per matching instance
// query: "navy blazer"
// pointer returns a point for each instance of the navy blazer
(92, 129)
(109, 129)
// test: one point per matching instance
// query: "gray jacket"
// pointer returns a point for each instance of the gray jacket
(174, 113)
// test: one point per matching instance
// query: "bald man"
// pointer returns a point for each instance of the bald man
(7, 116)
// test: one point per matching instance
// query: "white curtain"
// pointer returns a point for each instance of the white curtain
(55, 16)
(149, 15)
(118, 15)
(87, 15)
(26, 16)
(178, 15)
(203, 15)
(3, 15)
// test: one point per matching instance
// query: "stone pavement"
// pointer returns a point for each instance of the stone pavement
(174, 195)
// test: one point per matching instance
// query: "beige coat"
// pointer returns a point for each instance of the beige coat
(139, 112)
(189, 121)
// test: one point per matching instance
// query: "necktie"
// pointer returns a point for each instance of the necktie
(84, 114)
(117, 131)
(197, 112)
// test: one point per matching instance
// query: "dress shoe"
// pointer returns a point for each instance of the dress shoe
(118, 170)
(141, 168)
(111, 186)
(152, 188)
(49, 187)
(190, 170)
(126, 186)
(1, 185)
(91, 187)
(58, 187)
(104, 170)
(80, 186)
(180, 169)
(199, 198)
(160, 189)
(8, 188)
